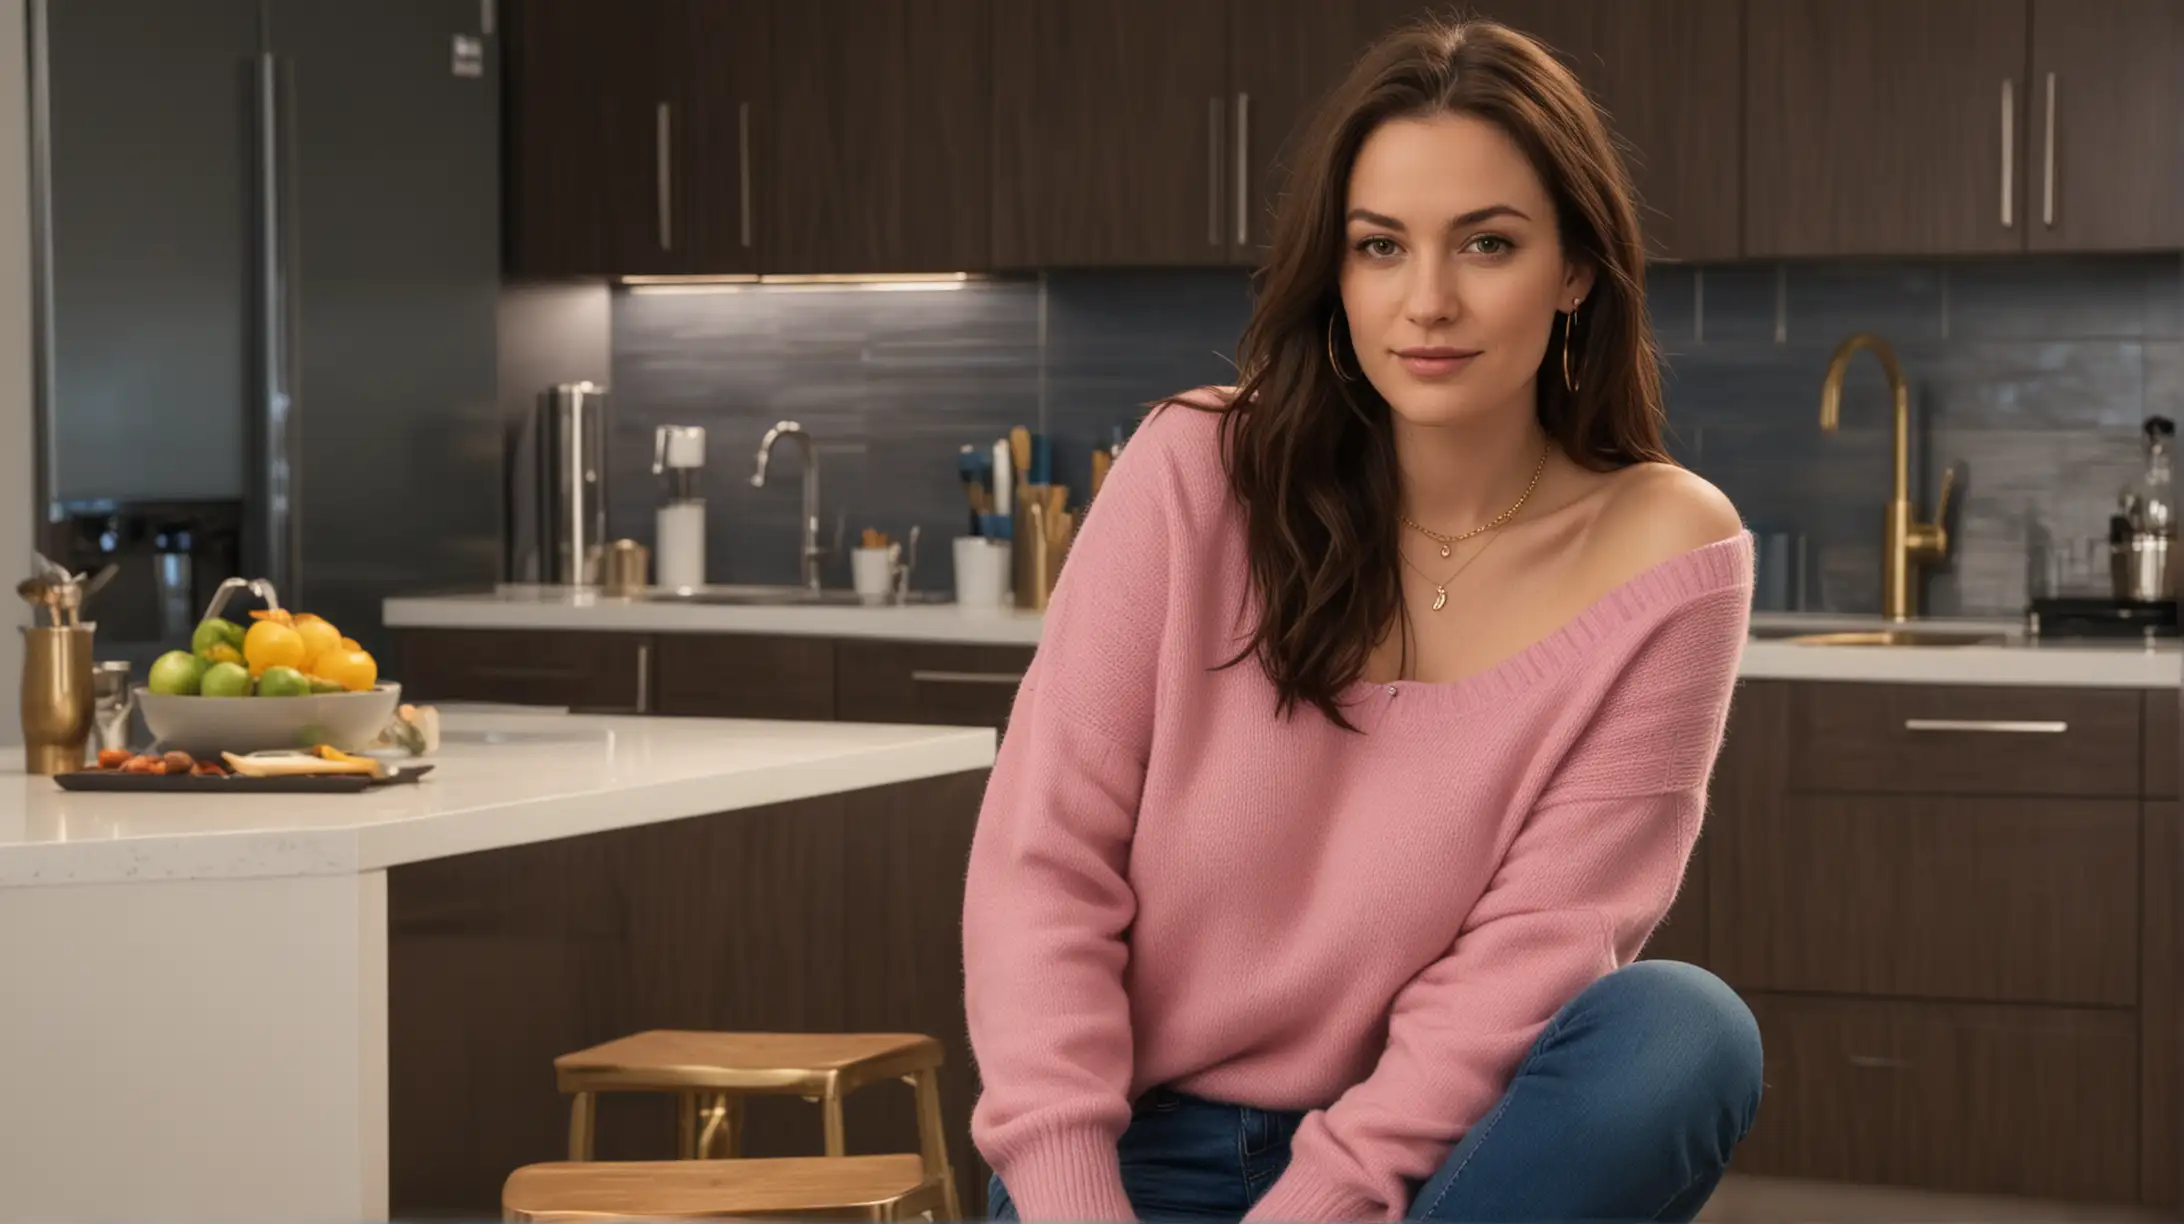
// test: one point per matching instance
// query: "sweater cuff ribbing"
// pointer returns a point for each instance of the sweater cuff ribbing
(1300, 1194)
(1068, 1175)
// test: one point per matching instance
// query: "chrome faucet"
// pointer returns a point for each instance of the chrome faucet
(1909, 542)
(813, 553)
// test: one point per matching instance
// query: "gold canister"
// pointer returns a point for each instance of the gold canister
(57, 698)
(623, 568)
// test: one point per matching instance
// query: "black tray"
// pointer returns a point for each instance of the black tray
(235, 784)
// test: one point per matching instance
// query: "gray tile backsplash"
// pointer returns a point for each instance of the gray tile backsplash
(2031, 373)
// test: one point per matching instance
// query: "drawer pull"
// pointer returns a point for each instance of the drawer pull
(964, 677)
(520, 671)
(2000, 725)
(1876, 1062)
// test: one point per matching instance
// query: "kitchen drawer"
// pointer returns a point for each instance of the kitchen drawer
(1916, 739)
(1971, 1098)
(2161, 743)
(743, 675)
(940, 683)
(2000, 900)
(608, 672)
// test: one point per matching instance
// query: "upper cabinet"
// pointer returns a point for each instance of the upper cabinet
(1943, 127)
(2105, 169)
(706, 137)
(1111, 122)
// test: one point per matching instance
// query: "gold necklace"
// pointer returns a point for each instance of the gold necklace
(1448, 543)
(1440, 589)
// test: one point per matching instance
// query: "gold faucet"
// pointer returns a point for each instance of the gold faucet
(1909, 542)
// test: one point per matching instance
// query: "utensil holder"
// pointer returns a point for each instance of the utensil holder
(57, 698)
(2143, 568)
(1036, 556)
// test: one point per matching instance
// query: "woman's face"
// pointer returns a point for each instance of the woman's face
(1452, 271)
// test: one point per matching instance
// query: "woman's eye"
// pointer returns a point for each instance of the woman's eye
(1491, 244)
(1378, 248)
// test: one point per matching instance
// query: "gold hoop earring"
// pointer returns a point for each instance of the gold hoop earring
(1569, 325)
(1333, 362)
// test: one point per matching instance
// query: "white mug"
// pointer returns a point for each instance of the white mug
(872, 572)
(981, 572)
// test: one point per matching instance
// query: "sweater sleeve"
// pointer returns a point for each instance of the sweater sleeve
(1048, 899)
(1581, 887)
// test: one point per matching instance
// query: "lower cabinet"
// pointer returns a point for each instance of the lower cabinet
(938, 683)
(591, 672)
(746, 676)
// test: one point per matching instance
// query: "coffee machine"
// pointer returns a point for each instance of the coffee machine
(555, 525)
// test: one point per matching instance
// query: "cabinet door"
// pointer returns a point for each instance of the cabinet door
(2106, 165)
(1286, 56)
(1885, 127)
(718, 135)
(936, 683)
(600, 672)
(1109, 132)
(888, 116)
(1668, 74)
(588, 167)
(740, 675)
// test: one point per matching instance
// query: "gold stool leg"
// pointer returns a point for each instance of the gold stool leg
(688, 1144)
(830, 1107)
(731, 1137)
(933, 1140)
(583, 1124)
(717, 1139)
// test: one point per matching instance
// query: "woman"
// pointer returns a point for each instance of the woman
(1370, 730)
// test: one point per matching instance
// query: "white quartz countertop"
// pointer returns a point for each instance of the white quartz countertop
(500, 779)
(2126, 664)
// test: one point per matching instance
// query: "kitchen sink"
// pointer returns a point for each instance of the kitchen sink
(1897, 637)
(773, 597)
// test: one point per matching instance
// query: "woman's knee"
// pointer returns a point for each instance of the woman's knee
(1681, 1031)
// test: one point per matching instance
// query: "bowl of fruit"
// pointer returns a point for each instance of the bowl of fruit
(287, 681)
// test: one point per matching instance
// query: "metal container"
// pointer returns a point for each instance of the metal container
(57, 699)
(2142, 567)
(557, 481)
(113, 704)
(622, 569)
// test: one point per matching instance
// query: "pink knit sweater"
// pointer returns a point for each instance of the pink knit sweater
(1171, 885)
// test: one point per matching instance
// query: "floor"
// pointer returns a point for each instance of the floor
(1777, 1200)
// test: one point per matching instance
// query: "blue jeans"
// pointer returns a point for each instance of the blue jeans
(1626, 1108)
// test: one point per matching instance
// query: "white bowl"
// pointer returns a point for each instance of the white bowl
(209, 726)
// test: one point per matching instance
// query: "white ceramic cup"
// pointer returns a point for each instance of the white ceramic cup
(872, 572)
(981, 572)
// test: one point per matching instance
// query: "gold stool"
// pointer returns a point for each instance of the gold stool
(713, 1072)
(846, 1187)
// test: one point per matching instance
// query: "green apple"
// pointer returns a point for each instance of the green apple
(176, 674)
(216, 631)
(225, 680)
(283, 682)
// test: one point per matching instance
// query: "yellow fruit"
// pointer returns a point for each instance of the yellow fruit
(350, 644)
(353, 670)
(222, 653)
(272, 644)
(318, 637)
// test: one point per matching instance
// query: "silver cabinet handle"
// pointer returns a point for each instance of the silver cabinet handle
(1875, 1062)
(644, 677)
(663, 158)
(743, 164)
(2001, 726)
(964, 677)
(2009, 149)
(2047, 166)
(277, 355)
(1243, 168)
(1213, 171)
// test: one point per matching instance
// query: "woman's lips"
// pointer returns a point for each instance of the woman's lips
(1435, 362)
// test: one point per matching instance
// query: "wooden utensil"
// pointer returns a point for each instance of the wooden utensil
(1101, 461)
(1020, 452)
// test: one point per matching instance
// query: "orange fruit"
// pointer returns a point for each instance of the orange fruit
(354, 670)
(272, 644)
(318, 637)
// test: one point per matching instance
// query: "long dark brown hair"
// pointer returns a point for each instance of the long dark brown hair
(1312, 457)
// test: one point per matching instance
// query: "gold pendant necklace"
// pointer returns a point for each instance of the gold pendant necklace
(1440, 589)
(1448, 543)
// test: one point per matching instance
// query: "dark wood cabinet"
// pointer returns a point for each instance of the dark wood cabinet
(746, 676)
(933, 683)
(590, 153)
(594, 672)
(1978, 740)
(1110, 133)
(720, 133)
(883, 131)
(1669, 75)
(2105, 165)
(2162, 743)
(1959, 1097)
(1884, 127)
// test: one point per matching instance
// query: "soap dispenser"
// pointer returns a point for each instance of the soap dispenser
(678, 453)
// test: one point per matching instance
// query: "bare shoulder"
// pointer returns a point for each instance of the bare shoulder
(1654, 512)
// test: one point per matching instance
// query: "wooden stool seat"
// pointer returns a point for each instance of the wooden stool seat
(800, 1064)
(867, 1187)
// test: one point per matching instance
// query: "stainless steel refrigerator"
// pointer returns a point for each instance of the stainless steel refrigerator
(268, 245)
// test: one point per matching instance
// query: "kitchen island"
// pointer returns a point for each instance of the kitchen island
(341, 1007)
